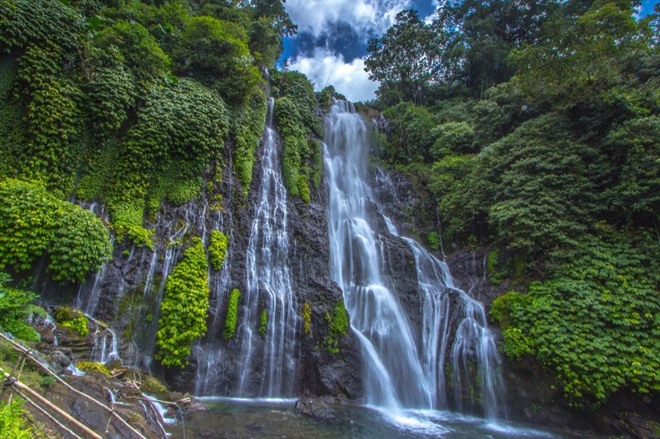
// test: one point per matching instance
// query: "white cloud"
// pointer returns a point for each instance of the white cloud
(330, 68)
(314, 16)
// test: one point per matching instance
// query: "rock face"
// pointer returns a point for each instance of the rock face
(126, 293)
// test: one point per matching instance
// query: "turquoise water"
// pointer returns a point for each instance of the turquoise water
(233, 418)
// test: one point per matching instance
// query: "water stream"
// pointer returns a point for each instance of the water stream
(393, 375)
(454, 334)
(269, 287)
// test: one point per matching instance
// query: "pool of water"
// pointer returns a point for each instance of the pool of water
(234, 418)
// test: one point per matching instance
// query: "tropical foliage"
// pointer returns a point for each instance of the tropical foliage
(534, 130)
(184, 307)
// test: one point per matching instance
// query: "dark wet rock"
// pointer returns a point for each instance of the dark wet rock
(321, 409)
(59, 360)
(196, 406)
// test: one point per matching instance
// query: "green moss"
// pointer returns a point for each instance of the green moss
(338, 324)
(217, 249)
(263, 322)
(152, 386)
(90, 367)
(495, 276)
(71, 319)
(307, 318)
(433, 238)
(232, 314)
(184, 307)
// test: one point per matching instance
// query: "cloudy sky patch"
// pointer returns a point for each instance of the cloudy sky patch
(333, 36)
(326, 66)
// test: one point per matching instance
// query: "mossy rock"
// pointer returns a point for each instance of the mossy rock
(90, 367)
(72, 320)
(152, 386)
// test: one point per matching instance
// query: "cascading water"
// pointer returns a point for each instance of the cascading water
(269, 287)
(209, 353)
(393, 373)
(397, 375)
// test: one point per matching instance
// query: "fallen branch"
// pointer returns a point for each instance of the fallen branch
(28, 354)
(47, 415)
(52, 406)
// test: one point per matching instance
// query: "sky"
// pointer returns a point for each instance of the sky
(333, 34)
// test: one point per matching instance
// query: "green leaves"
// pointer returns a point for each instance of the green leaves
(217, 249)
(232, 314)
(34, 222)
(184, 307)
(594, 322)
(216, 53)
(15, 308)
(338, 324)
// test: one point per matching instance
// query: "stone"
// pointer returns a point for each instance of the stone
(59, 361)
(317, 408)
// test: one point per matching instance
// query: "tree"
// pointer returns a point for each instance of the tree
(215, 52)
(579, 56)
(408, 58)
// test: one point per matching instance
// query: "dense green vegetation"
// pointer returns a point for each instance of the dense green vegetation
(131, 103)
(296, 122)
(15, 308)
(34, 223)
(217, 249)
(184, 307)
(12, 420)
(71, 319)
(232, 314)
(535, 130)
(338, 324)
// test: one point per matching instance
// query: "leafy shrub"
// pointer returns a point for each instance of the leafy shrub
(216, 53)
(217, 249)
(35, 222)
(139, 49)
(27, 216)
(184, 307)
(12, 421)
(80, 242)
(434, 240)
(594, 322)
(39, 22)
(71, 319)
(15, 307)
(232, 314)
(47, 382)
(338, 324)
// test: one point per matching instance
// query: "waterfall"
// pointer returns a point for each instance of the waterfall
(393, 374)
(454, 333)
(106, 346)
(210, 353)
(268, 287)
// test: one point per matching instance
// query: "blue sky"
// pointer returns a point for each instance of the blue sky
(333, 34)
